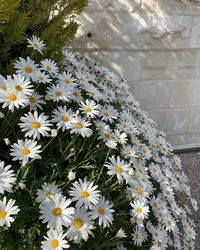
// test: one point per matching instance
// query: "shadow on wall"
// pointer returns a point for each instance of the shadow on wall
(117, 28)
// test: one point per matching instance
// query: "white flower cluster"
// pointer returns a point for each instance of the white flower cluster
(86, 99)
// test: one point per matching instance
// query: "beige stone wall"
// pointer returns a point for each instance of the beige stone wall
(156, 45)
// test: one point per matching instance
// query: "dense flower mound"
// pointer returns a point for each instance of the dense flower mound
(81, 165)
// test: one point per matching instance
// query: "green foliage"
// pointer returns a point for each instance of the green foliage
(20, 19)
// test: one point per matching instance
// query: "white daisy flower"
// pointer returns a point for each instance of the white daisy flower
(85, 193)
(101, 126)
(35, 125)
(93, 92)
(82, 79)
(20, 84)
(139, 236)
(76, 95)
(57, 213)
(108, 113)
(105, 134)
(121, 234)
(81, 226)
(7, 211)
(7, 178)
(128, 151)
(120, 137)
(67, 79)
(35, 101)
(49, 66)
(23, 150)
(111, 144)
(103, 211)
(55, 240)
(109, 94)
(26, 68)
(63, 117)
(42, 77)
(169, 223)
(35, 43)
(119, 168)
(140, 209)
(89, 108)
(58, 92)
(12, 99)
(48, 191)
(80, 126)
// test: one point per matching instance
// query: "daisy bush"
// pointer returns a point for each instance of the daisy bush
(81, 165)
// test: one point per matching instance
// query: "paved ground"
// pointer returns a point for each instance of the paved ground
(191, 165)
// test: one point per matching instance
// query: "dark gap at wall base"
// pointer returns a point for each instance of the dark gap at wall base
(186, 150)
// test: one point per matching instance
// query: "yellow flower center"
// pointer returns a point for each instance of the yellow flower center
(155, 205)
(36, 46)
(78, 223)
(18, 88)
(139, 210)
(67, 81)
(57, 211)
(32, 99)
(75, 93)
(144, 151)
(48, 68)
(3, 214)
(4, 87)
(118, 170)
(169, 223)
(101, 210)
(106, 114)
(12, 97)
(154, 170)
(36, 125)
(79, 125)
(26, 151)
(109, 94)
(107, 136)
(54, 243)
(28, 69)
(88, 109)
(84, 194)
(93, 94)
(139, 191)
(162, 179)
(137, 236)
(58, 93)
(49, 195)
(65, 118)
(40, 78)
(156, 234)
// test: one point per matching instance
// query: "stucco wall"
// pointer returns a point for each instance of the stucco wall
(156, 45)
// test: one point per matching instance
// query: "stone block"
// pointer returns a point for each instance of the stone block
(123, 62)
(185, 93)
(194, 123)
(181, 141)
(182, 64)
(186, 7)
(172, 121)
(121, 5)
(139, 30)
(195, 34)
(151, 94)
